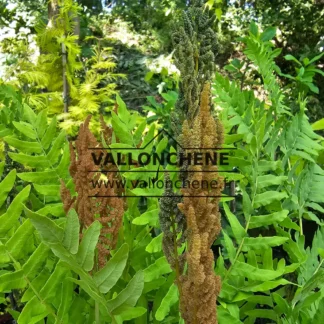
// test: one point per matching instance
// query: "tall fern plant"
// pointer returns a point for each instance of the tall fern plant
(46, 266)
(266, 270)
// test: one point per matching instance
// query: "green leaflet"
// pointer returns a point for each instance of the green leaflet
(220, 266)
(4, 257)
(38, 282)
(318, 317)
(129, 295)
(267, 259)
(121, 130)
(122, 110)
(48, 190)
(147, 143)
(12, 280)
(155, 270)
(282, 304)
(29, 115)
(66, 301)
(30, 160)
(48, 291)
(228, 292)
(268, 197)
(237, 228)
(270, 180)
(33, 312)
(162, 145)
(139, 132)
(268, 34)
(126, 313)
(25, 129)
(23, 146)
(315, 206)
(15, 245)
(71, 233)
(38, 177)
(9, 219)
(63, 167)
(247, 205)
(148, 218)
(261, 300)
(6, 185)
(155, 245)
(251, 272)
(264, 220)
(265, 286)
(75, 316)
(316, 281)
(229, 247)
(49, 231)
(86, 253)
(2, 165)
(265, 166)
(108, 276)
(36, 260)
(52, 209)
(262, 313)
(167, 302)
(55, 151)
(225, 317)
(260, 243)
(41, 122)
(47, 139)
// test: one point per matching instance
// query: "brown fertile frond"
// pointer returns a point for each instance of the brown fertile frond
(68, 201)
(200, 286)
(106, 130)
(107, 210)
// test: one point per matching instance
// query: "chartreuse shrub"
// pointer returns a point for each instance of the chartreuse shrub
(266, 269)
(71, 77)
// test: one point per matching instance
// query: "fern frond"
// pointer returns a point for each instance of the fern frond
(88, 88)
(90, 104)
(262, 55)
(43, 100)
(105, 65)
(45, 147)
(35, 77)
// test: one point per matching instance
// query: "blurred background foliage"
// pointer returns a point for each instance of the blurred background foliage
(139, 33)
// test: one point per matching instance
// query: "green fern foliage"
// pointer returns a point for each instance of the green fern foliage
(43, 154)
(279, 190)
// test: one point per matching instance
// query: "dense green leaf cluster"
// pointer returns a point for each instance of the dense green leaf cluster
(279, 189)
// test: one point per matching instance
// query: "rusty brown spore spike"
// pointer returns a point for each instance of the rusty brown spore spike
(107, 210)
